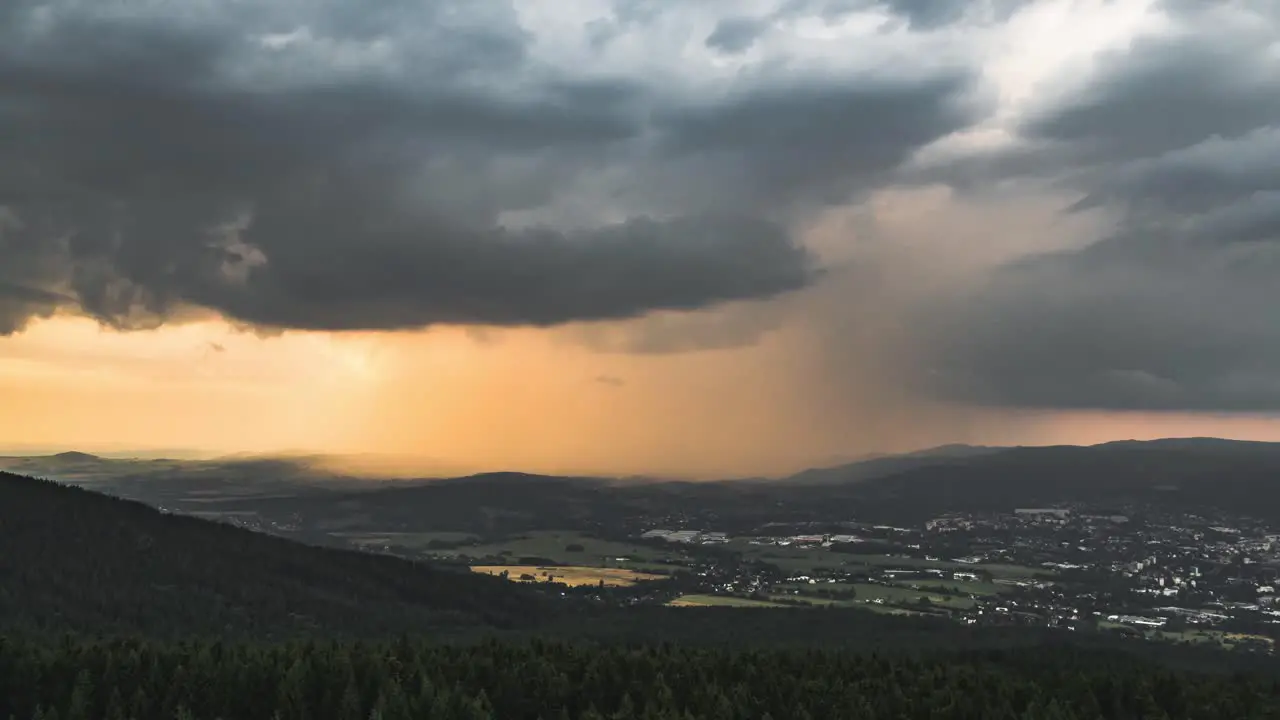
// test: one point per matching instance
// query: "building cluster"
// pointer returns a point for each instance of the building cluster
(1179, 577)
(685, 536)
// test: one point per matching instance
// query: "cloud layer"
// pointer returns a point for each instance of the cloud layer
(296, 164)
(1180, 132)
(416, 165)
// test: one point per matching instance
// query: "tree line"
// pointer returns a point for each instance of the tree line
(550, 680)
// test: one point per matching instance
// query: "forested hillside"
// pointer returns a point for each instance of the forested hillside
(74, 560)
(550, 681)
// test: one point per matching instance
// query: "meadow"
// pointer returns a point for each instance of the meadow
(721, 601)
(572, 548)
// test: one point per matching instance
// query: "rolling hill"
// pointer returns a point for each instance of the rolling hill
(886, 465)
(1187, 474)
(76, 560)
(1177, 474)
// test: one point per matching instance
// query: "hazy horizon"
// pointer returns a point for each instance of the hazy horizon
(388, 466)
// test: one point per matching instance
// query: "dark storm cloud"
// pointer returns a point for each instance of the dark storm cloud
(1176, 309)
(1216, 172)
(918, 15)
(393, 279)
(279, 165)
(627, 15)
(736, 34)
(17, 303)
(144, 173)
(928, 14)
(788, 152)
(1154, 323)
(811, 144)
(1165, 94)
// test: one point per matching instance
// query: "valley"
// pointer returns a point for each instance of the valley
(1144, 540)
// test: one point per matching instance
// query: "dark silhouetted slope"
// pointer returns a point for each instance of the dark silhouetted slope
(71, 559)
(886, 465)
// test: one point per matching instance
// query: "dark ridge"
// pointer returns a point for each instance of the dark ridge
(1192, 443)
(75, 560)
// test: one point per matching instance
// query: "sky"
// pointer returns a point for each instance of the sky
(635, 236)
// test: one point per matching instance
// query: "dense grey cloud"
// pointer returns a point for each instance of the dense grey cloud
(919, 15)
(928, 14)
(1211, 174)
(813, 144)
(1157, 323)
(393, 279)
(291, 164)
(1165, 94)
(735, 34)
(1175, 310)
(738, 33)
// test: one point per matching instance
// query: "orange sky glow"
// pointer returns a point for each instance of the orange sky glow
(452, 400)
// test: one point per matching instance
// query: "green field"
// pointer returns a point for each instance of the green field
(899, 594)
(552, 546)
(720, 601)
(897, 561)
(890, 609)
(793, 559)
(1193, 635)
(963, 587)
(868, 592)
(1205, 636)
(810, 600)
(1016, 571)
(996, 569)
(417, 540)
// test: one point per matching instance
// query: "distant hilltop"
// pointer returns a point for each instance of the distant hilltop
(1191, 443)
(76, 456)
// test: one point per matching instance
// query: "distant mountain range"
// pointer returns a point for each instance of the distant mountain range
(883, 465)
(854, 469)
(1179, 473)
(946, 455)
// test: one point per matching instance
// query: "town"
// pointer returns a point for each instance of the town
(1140, 570)
(1133, 570)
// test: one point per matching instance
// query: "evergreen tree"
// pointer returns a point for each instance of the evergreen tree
(80, 706)
(349, 705)
(115, 705)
